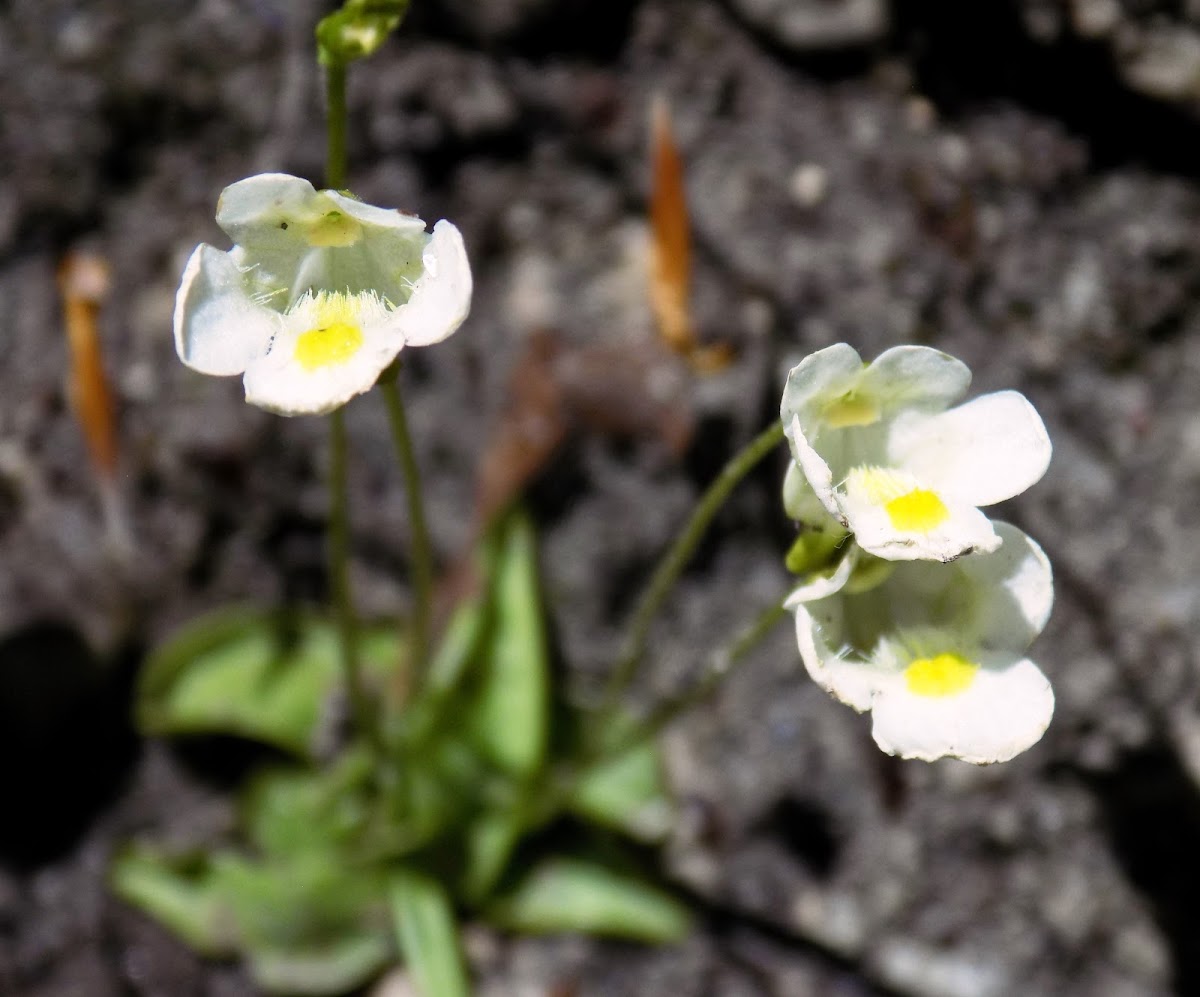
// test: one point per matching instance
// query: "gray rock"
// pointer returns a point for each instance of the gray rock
(817, 24)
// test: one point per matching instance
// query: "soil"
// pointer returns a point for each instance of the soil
(1015, 181)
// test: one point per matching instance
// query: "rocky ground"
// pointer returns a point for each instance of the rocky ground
(1015, 182)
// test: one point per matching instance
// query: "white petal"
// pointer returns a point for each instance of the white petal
(964, 530)
(258, 204)
(819, 633)
(278, 383)
(1016, 587)
(219, 329)
(1004, 711)
(817, 378)
(822, 586)
(799, 500)
(916, 376)
(814, 468)
(382, 218)
(983, 452)
(442, 295)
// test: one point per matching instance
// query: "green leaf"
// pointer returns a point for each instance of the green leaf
(333, 969)
(509, 714)
(626, 793)
(287, 810)
(252, 674)
(573, 895)
(490, 840)
(310, 908)
(308, 923)
(179, 892)
(297, 902)
(428, 935)
(436, 789)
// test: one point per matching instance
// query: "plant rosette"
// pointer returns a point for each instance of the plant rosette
(936, 652)
(318, 295)
(882, 450)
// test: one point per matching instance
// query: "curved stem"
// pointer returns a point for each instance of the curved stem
(335, 126)
(422, 557)
(339, 581)
(681, 551)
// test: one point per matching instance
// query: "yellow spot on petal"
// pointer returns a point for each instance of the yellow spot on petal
(944, 675)
(328, 345)
(850, 410)
(918, 511)
(333, 228)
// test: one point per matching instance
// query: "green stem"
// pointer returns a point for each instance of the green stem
(335, 126)
(339, 580)
(422, 557)
(680, 552)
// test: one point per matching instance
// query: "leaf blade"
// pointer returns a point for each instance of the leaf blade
(567, 894)
(427, 935)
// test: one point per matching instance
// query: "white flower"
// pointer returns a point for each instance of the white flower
(936, 652)
(318, 295)
(884, 453)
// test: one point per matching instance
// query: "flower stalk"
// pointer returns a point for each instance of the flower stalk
(422, 556)
(680, 553)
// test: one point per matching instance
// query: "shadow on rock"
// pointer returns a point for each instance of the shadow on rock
(66, 740)
(1152, 810)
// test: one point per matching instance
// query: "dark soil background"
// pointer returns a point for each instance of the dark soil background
(1016, 182)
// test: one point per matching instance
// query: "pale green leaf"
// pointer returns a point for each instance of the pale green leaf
(251, 674)
(509, 717)
(428, 935)
(490, 840)
(626, 793)
(576, 896)
(322, 971)
(178, 892)
(286, 810)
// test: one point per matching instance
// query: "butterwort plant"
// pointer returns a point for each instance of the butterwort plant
(436, 795)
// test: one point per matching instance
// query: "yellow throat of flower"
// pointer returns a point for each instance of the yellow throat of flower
(910, 509)
(946, 674)
(333, 229)
(851, 409)
(332, 325)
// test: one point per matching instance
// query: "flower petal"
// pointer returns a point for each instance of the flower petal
(387, 219)
(894, 515)
(818, 377)
(916, 376)
(219, 328)
(442, 295)
(814, 468)
(256, 206)
(800, 502)
(1004, 710)
(1020, 585)
(820, 631)
(283, 383)
(820, 586)
(983, 452)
